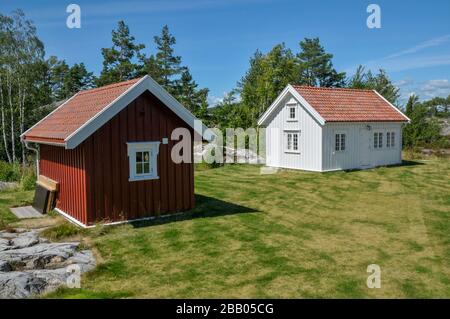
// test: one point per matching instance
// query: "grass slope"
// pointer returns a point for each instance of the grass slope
(293, 234)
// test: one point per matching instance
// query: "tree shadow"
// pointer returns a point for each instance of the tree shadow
(409, 163)
(402, 164)
(205, 206)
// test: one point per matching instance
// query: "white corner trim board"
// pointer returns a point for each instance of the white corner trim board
(144, 84)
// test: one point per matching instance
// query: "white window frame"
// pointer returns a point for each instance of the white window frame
(379, 144)
(390, 139)
(292, 106)
(286, 144)
(153, 149)
(340, 134)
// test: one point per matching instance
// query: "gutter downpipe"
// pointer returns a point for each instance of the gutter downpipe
(37, 156)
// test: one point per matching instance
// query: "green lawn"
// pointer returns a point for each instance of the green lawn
(293, 234)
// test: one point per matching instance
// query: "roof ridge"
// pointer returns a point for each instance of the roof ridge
(329, 88)
(110, 86)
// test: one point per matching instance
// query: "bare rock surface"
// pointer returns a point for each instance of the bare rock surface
(30, 265)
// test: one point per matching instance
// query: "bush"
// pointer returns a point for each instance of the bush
(28, 179)
(9, 172)
(61, 231)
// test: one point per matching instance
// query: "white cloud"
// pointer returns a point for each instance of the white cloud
(405, 59)
(424, 45)
(425, 89)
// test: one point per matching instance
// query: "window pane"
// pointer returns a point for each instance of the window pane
(138, 168)
(337, 146)
(295, 142)
(146, 157)
(392, 139)
(380, 140)
(292, 112)
(146, 168)
(138, 156)
(289, 141)
(342, 142)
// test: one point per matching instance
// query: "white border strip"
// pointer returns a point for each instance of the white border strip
(128, 221)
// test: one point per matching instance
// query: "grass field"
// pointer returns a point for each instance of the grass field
(293, 234)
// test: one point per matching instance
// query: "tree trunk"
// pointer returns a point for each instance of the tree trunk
(22, 95)
(5, 143)
(13, 143)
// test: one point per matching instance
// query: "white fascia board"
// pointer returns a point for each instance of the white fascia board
(290, 89)
(384, 99)
(146, 83)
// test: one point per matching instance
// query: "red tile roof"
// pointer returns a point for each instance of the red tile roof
(75, 112)
(349, 105)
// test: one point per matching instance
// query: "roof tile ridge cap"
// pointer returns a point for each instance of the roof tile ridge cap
(110, 86)
(329, 88)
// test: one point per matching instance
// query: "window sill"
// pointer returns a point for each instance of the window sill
(142, 178)
(292, 120)
(292, 152)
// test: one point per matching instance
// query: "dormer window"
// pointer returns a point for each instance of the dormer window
(292, 112)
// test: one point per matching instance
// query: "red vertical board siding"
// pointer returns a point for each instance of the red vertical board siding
(67, 168)
(145, 119)
(94, 185)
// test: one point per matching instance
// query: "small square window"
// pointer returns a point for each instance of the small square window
(292, 113)
(143, 160)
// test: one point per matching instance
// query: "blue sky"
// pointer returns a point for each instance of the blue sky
(217, 37)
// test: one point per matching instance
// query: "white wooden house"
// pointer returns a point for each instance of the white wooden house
(326, 129)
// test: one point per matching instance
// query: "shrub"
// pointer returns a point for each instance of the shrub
(9, 172)
(28, 179)
(61, 231)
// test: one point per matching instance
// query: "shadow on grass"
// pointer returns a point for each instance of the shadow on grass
(205, 206)
(404, 163)
(409, 163)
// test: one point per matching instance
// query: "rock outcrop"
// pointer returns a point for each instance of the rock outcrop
(31, 265)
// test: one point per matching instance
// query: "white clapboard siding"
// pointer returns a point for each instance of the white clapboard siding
(359, 152)
(310, 139)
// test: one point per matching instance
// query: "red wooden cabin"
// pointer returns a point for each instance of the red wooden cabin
(109, 149)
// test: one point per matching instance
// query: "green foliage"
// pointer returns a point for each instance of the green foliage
(66, 81)
(379, 82)
(316, 67)
(422, 131)
(9, 172)
(61, 231)
(119, 60)
(267, 76)
(270, 73)
(28, 179)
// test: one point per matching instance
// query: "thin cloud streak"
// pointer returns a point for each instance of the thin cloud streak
(398, 62)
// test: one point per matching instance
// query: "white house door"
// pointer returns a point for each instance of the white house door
(274, 149)
(364, 148)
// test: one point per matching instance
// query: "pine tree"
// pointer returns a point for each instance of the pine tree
(119, 60)
(315, 66)
(412, 102)
(164, 67)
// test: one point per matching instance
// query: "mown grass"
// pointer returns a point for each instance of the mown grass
(10, 198)
(292, 234)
